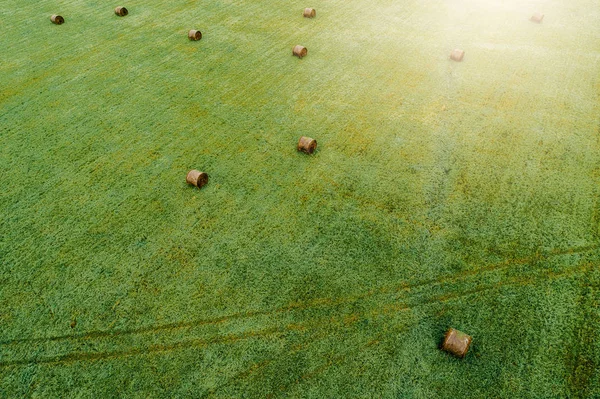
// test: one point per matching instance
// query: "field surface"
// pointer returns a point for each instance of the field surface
(442, 194)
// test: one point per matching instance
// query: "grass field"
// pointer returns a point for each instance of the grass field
(442, 194)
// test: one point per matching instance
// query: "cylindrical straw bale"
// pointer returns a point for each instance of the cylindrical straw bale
(194, 35)
(307, 145)
(57, 19)
(537, 18)
(457, 55)
(299, 51)
(456, 343)
(121, 11)
(309, 13)
(196, 178)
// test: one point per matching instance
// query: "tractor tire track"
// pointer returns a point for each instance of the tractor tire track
(278, 332)
(298, 306)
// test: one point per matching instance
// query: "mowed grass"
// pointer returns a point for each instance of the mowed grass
(441, 194)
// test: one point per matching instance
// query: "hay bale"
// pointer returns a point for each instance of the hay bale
(121, 11)
(57, 19)
(456, 343)
(307, 145)
(309, 13)
(457, 55)
(196, 178)
(299, 51)
(194, 35)
(537, 18)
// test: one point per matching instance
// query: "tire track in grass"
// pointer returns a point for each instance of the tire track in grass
(544, 275)
(342, 321)
(298, 306)
(158, 348)
(278, 332)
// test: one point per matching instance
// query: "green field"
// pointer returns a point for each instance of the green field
(442, 194)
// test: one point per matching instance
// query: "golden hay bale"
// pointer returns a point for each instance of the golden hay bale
(537, 17)
(307, 145)
(57, 19)
(194, 35)
(309, 13)
(456, 343)
(121, 11)
(299, 51)
(457, 55)
(196, 178)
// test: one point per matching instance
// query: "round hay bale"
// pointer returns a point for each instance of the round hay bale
(309, 13)
(121, 11)
(456, 343)
(537, 18)
(196, 178)
(57, 19)
(299, 51)
(194, 35)
(457, 55)
(307, 145)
